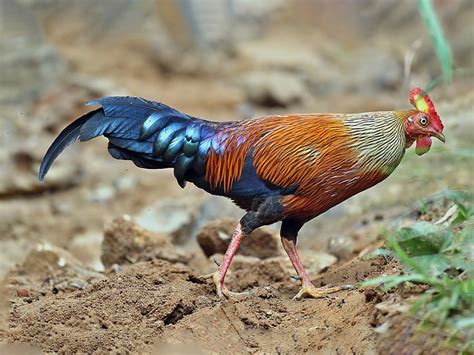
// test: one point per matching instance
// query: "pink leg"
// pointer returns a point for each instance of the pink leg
(307, 287)
(290, 248)
(219, 276)
(229, 254)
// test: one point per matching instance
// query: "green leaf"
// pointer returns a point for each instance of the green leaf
(434, 264)
(461, 262)
(464, 322)
(423, 228)
(423, 238)
(393, 280)
(461, 217)
(466, 289)
(457, 198)
(440, 43)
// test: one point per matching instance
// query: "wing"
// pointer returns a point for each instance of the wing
(278, 154)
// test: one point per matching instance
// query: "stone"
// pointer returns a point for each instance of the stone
(214, 238)
(341, 247)
(29, 66)
(87, 248)
(172, 216)
(50, 269)
(313, 261)
(20, 174)
(126, 242)
(376, 70)
(215, 207)
(101, 194)
(273, 88)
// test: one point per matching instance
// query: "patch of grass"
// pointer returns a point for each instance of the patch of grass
(439, 255)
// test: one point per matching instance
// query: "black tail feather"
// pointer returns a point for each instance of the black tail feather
(150, 134)
(68, 136)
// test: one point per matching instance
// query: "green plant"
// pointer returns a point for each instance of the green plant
(441, 47)
(440, 43)
(441, 256)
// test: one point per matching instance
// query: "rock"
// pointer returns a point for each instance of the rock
(215, 237)
(106, 192)
(49, 269)
(29, 66)
(20, 173)
(172, 216)
(87, 248)
(215, 207)
(341, 247)
(101, 194)
(272, 88)
(376, 70)
(4, 305)
(125, 183)
(22, 292)
(126, 242)
(47, 258)
(318, 71)
(313, 261)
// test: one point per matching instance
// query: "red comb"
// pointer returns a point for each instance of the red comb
(423, 103)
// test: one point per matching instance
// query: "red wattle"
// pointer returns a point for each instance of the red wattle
(423, 144)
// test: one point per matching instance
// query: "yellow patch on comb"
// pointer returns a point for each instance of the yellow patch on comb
(421, 104)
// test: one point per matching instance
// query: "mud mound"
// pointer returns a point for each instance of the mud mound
(155, 304)
(268, 320)
(125, 312)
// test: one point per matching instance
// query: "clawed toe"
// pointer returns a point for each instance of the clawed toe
(206, 276)
(321, 292)
(221, 290)
(228, 294)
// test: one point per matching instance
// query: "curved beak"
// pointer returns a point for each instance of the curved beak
(440, 136)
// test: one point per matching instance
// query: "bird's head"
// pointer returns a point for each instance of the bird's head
(422, 123)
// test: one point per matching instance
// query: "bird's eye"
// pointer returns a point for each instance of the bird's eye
(424, 121)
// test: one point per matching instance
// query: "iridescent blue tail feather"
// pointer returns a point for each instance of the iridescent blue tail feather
(150, 134)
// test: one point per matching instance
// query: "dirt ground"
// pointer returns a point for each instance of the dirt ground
(104, 257)
(152, 298)
(153, 305)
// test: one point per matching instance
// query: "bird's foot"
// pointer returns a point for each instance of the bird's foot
(309, 290)
(221, 290)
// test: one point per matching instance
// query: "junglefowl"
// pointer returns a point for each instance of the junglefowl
(287, 168)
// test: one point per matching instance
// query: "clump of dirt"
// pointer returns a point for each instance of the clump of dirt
(216, 235)
(50, 270)
(407, 337)
(155, 304)
(123, 313)
(126, 242)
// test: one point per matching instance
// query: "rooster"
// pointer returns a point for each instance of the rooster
(287, 168)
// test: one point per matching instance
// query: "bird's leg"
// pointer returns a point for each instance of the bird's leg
(307, 287)
(219, 276)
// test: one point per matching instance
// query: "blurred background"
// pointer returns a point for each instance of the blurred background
(222, 60)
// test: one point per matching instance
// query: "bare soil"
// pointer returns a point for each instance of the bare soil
(151, 304)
